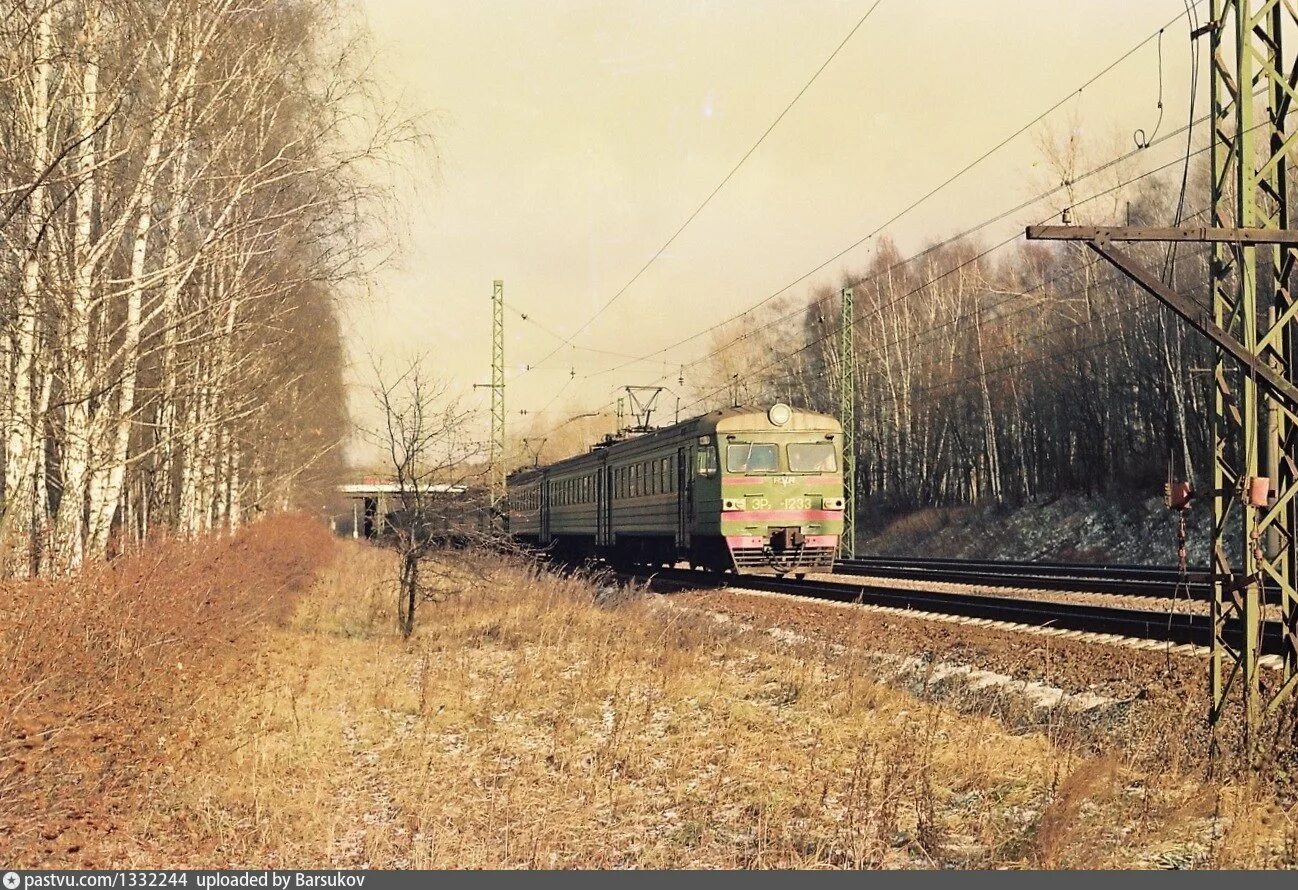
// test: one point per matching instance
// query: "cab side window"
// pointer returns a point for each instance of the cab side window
(707, 461)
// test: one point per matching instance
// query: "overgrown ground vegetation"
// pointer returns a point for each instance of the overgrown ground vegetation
(536, 721)
(527, 723)
(106, 678)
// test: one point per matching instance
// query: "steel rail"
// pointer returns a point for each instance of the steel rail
(1175, 628)
(1144, 581)
(1081, 569)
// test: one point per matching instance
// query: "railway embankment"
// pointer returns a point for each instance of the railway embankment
(1068, 528)
(109, 680)
(1090, 694)
(533, 720)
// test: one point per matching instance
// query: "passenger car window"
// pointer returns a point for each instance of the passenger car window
(812, 457)
(753, 457)
(707, 461)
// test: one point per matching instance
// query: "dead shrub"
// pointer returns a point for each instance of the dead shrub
(1056, 828)
(97, 674)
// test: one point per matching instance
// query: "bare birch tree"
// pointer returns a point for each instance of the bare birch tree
(182, 198)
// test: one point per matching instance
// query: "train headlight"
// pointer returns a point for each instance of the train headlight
(832, 504)
(779, 414)
(733, 504)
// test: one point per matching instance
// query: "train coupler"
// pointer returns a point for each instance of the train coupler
(783, 539)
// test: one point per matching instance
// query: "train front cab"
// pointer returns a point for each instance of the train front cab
(769, 493)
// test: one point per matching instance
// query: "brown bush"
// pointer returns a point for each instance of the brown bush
(1058, 820)
(97, 675)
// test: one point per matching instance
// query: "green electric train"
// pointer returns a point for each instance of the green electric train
(742, 489)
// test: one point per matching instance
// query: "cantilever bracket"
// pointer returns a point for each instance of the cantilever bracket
(1200, 234)
(1198, 316)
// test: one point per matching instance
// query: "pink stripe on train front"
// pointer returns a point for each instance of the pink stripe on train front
(781, 515)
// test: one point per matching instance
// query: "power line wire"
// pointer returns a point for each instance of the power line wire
(957, 237)
(919, 338)
(733, 170)
(998, 217)
(949, 271)
(929, 282)
(931, 193)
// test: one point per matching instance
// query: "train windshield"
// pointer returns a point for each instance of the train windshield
(749, 457)
(812, 457)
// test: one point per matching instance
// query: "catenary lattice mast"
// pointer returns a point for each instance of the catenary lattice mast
(847, 416)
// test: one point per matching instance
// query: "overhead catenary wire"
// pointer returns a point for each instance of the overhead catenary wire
(1191, 4)
(927, 334)
(720, 185)
(999, 322)
(937, 246)
(527, 318)
(1005, 214)
(919, 288)
(1169, 262)
(912, 391)
(979, 256)
(973, 229)
(905, 295)
(999, 245)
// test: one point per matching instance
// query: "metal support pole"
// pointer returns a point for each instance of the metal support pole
(497, 402)
(1253, 325)
(1254, 452)
(847, 417)
(1266, 391)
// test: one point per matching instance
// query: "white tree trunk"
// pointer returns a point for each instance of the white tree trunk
(25, 421)
(78, 421)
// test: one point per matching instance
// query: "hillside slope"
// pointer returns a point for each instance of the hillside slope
(1071, 528)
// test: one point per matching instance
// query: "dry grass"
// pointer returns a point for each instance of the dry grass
(189, 707)
(527, 725)
(101, 676)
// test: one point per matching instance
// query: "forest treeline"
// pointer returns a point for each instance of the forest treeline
(996, 373)
(179, 205)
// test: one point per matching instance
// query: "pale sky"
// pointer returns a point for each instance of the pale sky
(576, 136)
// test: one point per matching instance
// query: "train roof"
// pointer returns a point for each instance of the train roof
(748, 419)
(721, 421)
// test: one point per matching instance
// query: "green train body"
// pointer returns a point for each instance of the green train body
(742, 489)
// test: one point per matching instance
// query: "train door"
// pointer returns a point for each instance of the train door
(601, 528)
(684, 500)
(606, 507)
(545, 511)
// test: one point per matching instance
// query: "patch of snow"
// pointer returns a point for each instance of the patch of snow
(785, 636)
(1040, 695)
(1070, 528)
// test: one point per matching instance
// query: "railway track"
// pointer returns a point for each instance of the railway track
(1175, 628)
(1127, 580)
